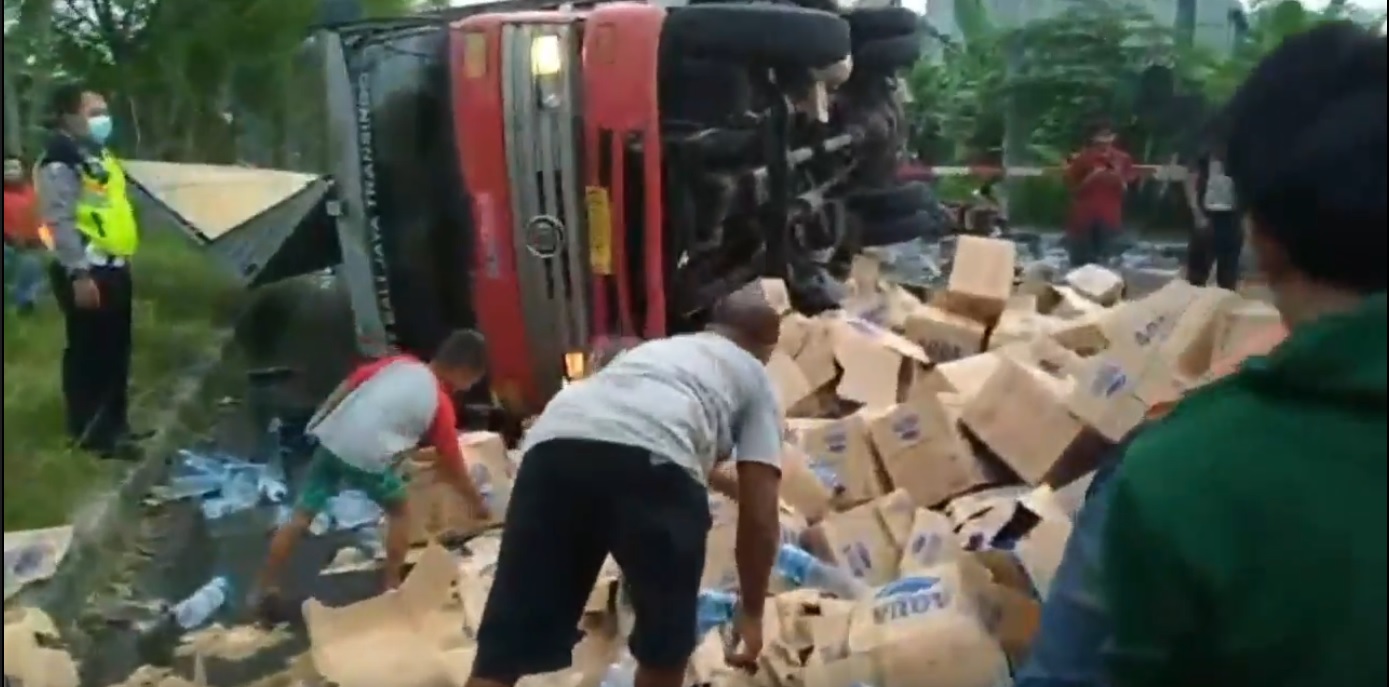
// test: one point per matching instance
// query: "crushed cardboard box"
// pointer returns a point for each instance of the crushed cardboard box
(31, 656)
(928, 453)
(436, 510)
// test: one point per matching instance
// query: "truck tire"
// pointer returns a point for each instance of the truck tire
(888, 54)
(899, 230)
(891, 203)
(773, 34)
(876, 23)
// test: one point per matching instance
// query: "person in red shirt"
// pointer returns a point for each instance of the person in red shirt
(1098, 177)
(24, 274)
(365, 430)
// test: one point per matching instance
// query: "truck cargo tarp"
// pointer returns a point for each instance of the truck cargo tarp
(260, 225)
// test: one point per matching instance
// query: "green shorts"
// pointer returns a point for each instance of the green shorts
(328, 475)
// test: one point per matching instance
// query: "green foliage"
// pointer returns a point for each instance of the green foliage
(1052, 77)
(180, 312)
(188, 79)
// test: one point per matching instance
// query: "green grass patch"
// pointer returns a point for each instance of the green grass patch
(183, 306)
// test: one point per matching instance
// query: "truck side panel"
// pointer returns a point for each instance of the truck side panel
(475, 46)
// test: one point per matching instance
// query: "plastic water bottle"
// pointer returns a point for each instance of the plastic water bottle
(199, 607)
(621, 674)
(715, 608)
(802, 569)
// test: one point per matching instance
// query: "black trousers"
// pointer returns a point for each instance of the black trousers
(1219, 247)
(96, 360)
(575, 502)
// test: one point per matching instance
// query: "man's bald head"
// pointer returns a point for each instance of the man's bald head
(749, 320)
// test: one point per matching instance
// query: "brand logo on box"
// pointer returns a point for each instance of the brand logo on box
(1109, 380)
(907, 427)
(858, 559)
(910, 596)
(837, 440)
(943, 351)
(924, 547)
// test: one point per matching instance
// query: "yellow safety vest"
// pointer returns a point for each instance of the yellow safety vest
(104, 213)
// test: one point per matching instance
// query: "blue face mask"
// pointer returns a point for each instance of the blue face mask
(100, 128)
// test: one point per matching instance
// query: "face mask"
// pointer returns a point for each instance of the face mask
(100, 128)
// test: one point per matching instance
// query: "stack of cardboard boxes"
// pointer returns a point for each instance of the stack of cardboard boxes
(925, 435)
(936, 447)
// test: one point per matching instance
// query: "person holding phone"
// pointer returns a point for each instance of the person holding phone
(1098, 177)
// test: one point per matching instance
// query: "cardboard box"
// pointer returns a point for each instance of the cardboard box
(403, 637)
(1021, 322)
(1021, 415)
(436, 510)
(842, 448)
(816, 356)
(1160, 346)
(945, 336)
(1096, 283)
(1086, 335)
(31, 653)
(878, 364)
(981, 279)
(919, 450)
(788, 381)
(1070, 304)
(1244, 321)
(863, 544)
(805, 490)
(774, 290)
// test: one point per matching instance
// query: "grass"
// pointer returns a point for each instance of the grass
(182, 308)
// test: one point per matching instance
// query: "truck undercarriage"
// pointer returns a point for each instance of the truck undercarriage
(555, 176)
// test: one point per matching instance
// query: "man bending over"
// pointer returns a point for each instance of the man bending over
(618, 464)
(365, 429)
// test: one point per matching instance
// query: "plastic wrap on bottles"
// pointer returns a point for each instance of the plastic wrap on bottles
(322, 524)
(196, 610)
(243, 485)
(802, 569)
(622, 673)
(715, 608)
(368, 541)
(352, 509)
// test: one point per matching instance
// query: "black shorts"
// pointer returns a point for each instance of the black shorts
(575, 502)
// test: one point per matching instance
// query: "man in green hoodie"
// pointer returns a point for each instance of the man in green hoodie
(1245, 542)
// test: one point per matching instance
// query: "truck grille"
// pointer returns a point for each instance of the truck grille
(543, 164)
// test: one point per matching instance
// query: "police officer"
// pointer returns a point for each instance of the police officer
(83, 202)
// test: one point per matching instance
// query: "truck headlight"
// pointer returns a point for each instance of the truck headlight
(547, 55)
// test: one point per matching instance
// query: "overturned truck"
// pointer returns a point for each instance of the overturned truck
(555, 176)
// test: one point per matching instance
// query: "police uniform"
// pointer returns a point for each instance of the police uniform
(87, 213)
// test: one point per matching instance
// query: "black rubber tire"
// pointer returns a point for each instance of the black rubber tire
(876, 23)
(888, 54)
(772, 34)
(885, 204)
(704, 93)
(900, 230)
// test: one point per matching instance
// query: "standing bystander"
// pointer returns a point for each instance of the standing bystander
(24, 278)
(1098, 176)
(83, 202)
(1216, 238)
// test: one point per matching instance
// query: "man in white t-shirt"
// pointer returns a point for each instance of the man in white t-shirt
(365, 429)
(618, 464)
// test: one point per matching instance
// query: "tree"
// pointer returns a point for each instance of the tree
(183, 76)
